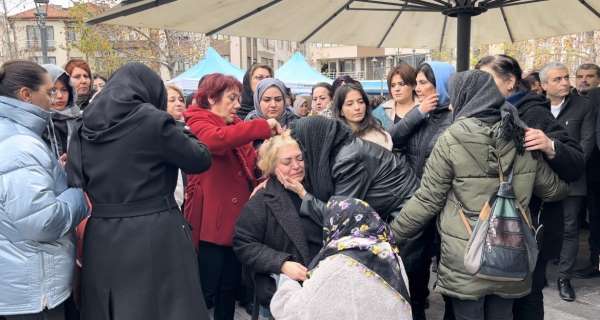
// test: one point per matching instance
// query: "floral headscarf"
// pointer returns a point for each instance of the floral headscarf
(354, 229)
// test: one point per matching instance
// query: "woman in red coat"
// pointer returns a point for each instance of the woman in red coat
(214, 199)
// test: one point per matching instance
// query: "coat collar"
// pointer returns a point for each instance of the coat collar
(26, 114)
(280, 204)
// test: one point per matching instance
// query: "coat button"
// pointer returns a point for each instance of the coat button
(234, 200)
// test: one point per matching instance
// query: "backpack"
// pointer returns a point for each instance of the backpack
(502, 246)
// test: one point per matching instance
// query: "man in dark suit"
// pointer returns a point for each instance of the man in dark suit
(587, 81)
(576, 114)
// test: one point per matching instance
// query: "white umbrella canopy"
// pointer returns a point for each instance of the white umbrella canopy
(380, 23)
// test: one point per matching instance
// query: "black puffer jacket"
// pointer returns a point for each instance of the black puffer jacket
(418, 141)
(366, 171)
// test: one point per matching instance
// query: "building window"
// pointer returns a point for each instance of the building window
(267, 61)
(71, 35)
(226, 57)
(40, 60)
(280, 44)
(347, 66)
(34, 37)
(279, 63)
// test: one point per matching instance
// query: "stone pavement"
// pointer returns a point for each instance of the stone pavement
(585, 307)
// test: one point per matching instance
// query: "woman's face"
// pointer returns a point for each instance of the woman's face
(505, 86)
(424, 88)
(42, 97)
(290, 162)
(80, 80)
(99, 84)
(259, 74)
(175, 104)
(354, 108)
(320, 99)
(304, 109)
(401, 91)
(228, 106)
(61, 95)
(272, 103)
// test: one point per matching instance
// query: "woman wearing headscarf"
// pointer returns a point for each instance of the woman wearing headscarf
(461, 174)
(339, 164)
(138, 258)
(253, 76)
(302, 107)
(416, 140)
(357, 275)
(270, 103)
(562, 152)
(65, 112)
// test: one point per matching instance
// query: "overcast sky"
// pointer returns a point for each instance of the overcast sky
(15, 6)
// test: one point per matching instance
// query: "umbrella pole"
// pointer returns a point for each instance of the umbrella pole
(463, 38)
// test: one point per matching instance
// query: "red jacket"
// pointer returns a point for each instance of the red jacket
(214, 198)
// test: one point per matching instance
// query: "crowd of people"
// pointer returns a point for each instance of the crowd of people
(127, 198)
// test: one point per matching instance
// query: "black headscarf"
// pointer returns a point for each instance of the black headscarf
(474, 94)
(320, 139)
(247, 104)
(354, 229)
(114, 112)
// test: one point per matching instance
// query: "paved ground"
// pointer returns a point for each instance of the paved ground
(585, 307)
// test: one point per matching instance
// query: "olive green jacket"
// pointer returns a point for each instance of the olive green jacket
(452, 178)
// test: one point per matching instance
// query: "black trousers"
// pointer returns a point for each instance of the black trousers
(487, 308)
(220, 273)
(531, 306)
(594, 215)
(57, 313)
(570, 238)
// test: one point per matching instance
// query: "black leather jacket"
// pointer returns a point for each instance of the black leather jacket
(371, 173)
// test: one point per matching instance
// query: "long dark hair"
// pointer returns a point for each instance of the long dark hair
(505, 66)
(369, 122)
(16, 74)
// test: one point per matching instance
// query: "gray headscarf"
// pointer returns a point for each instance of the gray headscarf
(286, 117)
(474, 94)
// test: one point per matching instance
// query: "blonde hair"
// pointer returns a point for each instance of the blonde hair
(175, 88)
(267, 154)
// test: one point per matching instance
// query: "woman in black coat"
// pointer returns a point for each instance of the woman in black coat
(272, 236)
(339, 164)
(138, 257)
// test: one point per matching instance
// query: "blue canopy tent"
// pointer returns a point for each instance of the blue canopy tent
(375, 87)
(298, 75)
(211, 63)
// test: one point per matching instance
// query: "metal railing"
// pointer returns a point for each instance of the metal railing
(37, 44)
(356, 75)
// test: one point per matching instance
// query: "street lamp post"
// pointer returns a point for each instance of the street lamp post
(41, 7)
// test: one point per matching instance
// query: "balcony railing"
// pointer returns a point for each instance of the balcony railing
(356, 75)
(37, 44)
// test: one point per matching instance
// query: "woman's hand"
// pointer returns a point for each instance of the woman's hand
(294, 270)
(429, 103)
(536, 139)
(259, 187)
(291, 184)
(62, 160)
(275, 127)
